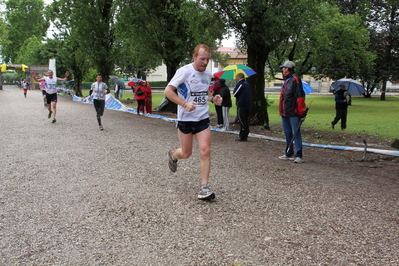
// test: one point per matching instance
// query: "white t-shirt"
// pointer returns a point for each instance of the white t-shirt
(51, 85)
(192, 85)
(99, 90)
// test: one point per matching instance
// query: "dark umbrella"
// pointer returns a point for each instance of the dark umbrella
(353, 86)
(118, 81)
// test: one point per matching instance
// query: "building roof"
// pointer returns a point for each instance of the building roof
(233, 52)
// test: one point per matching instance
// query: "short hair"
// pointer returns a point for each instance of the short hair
(240, 75)
(203, 46)
(101, 75)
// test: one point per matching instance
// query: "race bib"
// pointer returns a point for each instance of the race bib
(200, 97)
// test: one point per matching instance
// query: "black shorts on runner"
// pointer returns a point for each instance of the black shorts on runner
(193, 127)
(51, 98)
(43, 92)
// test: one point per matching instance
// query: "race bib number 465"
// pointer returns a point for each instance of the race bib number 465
(200, 97)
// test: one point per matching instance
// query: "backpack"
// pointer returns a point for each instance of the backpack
(139, 92)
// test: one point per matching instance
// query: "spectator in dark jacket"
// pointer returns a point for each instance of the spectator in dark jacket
(226, 104)
(216, 91)
(292, 109)
(342, 97)
(242, 93)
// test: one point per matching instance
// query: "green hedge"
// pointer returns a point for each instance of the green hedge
(158, 84)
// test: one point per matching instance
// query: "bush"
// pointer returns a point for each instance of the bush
(158, 84)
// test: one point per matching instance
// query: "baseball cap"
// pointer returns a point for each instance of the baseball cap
(288, 64)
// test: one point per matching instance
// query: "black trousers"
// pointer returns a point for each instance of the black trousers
(99, 105)
(340, 114)
(219, 113)
(243, 117)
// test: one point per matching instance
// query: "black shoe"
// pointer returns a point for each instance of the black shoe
(242, 139)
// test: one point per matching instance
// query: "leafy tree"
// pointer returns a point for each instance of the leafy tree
(87, 40)
(28, 54)
(169, 30)
(24, 19)
(4, 41)
(261, 26)
(382, 19)
(341, 45)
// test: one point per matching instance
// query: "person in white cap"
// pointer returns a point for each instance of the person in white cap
(292, 109)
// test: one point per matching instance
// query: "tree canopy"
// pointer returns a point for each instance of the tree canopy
(24, 19)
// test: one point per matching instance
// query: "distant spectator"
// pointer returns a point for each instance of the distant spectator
(148, 95)
(140, 96)
(226, 104)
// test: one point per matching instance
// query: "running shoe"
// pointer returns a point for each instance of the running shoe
(101, 128)
(49, 114)
(285, 157)
(298, 160)
(205, 193)
(54, 120)
(172, 163)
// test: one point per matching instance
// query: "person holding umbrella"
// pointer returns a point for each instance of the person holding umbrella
(341, 107)
(292, 109)
(242, 92)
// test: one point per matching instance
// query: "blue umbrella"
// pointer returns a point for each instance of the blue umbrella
(306, 87)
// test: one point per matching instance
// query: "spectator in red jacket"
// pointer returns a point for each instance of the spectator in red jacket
(148, 100)
(140, 96)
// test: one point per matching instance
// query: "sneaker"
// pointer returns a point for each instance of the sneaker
(54, 120)
(49, 114)
(343, 129)
(285, 157)
(205, 193)
(298, 160)
(101, 128)
(332, 125)
(172, 163)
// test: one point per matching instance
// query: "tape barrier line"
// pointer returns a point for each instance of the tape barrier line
(115, 104)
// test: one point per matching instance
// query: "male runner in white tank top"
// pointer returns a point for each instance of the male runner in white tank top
(51, 91)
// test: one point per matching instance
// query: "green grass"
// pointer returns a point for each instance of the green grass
(368, 116)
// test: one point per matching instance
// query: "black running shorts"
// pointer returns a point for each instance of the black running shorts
(193, 127)
(51, 98)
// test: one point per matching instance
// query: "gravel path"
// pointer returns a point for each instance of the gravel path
(73, 195)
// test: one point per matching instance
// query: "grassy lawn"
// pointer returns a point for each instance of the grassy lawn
(366, 115)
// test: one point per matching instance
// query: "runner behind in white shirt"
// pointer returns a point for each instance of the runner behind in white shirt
(98, 91)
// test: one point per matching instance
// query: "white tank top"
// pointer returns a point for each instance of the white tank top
(51, 85)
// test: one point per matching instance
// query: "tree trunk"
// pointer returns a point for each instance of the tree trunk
(383, 89)
(257, 61)
(170, 70)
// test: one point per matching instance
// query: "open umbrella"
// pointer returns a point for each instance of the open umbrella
(118, 81)
(136, 80)
(231, 71)
(353, 86)
(131, 83)
(306, 87)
